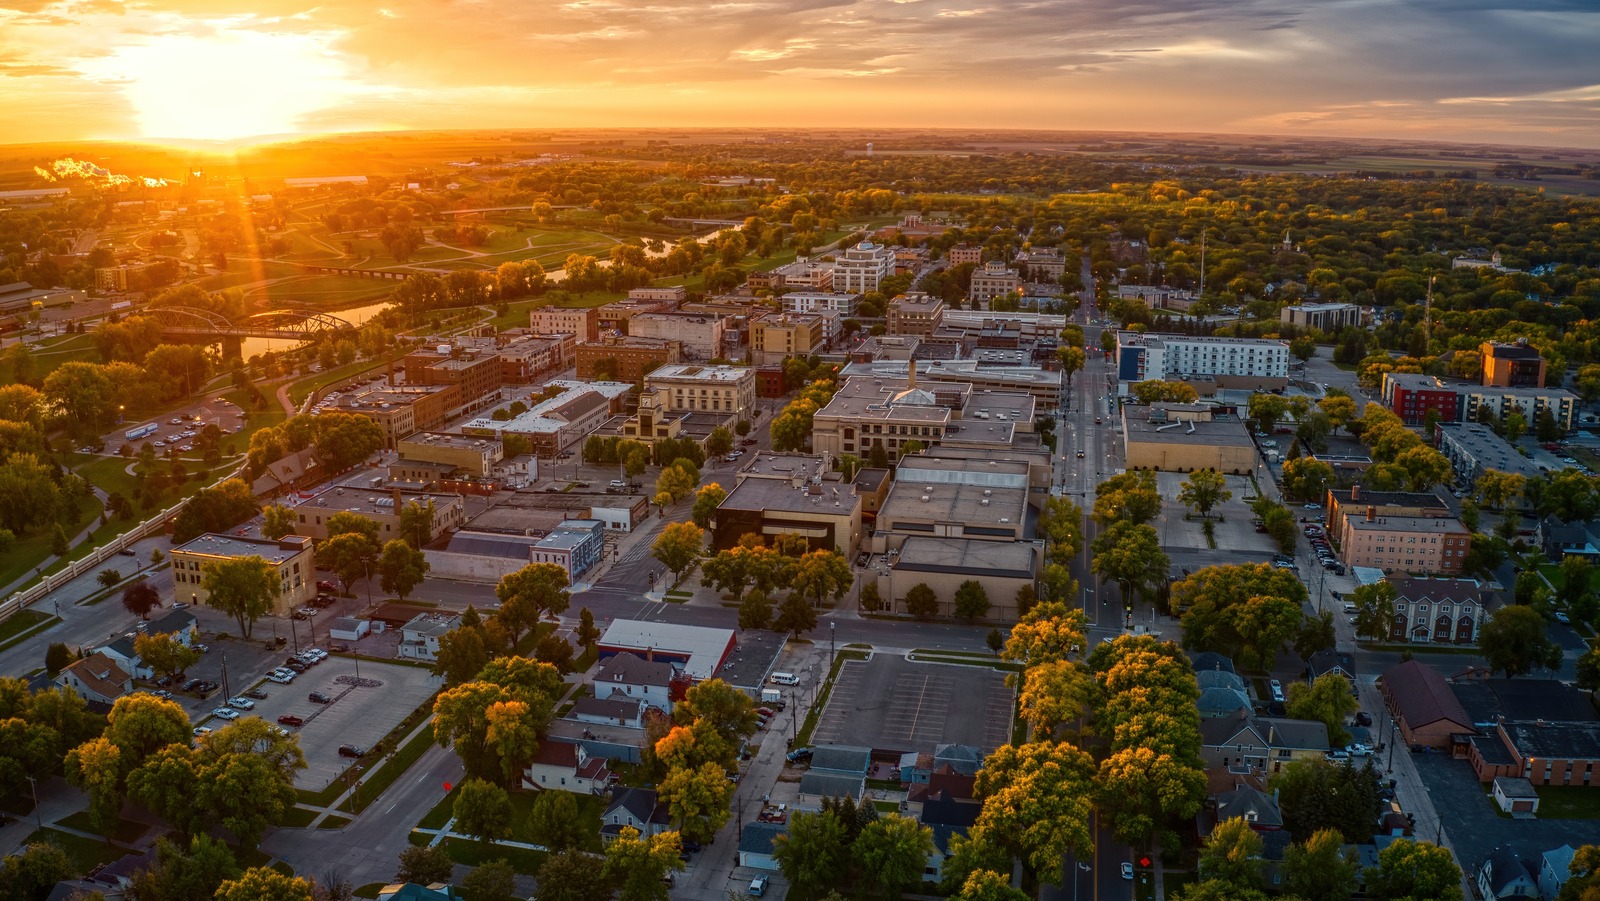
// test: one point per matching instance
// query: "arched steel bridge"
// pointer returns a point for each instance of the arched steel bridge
(290, 323)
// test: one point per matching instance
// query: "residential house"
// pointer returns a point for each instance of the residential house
(942, 780)
(96, 678)
(123, 655)
(180, 624)
(1329, 660)
(756, 845)
(1561, 540)
(1245, 740)
(1555, 868)
(636, 807)
(612, 711)
(1423, 705)
(947, 816)
(1221, 694)
(1504, 875)
(837, 771)
(410, 891)
(566, 767)
(1252, 805)
(633, 677)
(419, 638)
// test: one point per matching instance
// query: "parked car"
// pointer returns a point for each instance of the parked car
(191, 685)
(201, 730)
(280, 678)
(289, 719)
(1127, 869)
(199, 647)
(241, 703)
(318, 697)
(691, 846)
(225, 713)
(297, 615)
(352, 751)
(256, 693)
(1363, 718)
(296, 666)
(758, 886)
(163, 694)
(798, 754)
(1277, 690)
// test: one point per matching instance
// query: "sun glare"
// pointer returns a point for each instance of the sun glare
(229, 85)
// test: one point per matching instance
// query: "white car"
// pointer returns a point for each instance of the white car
(186, 448)
(318, 653)
(202, 730)
(225, 713)
(242, 703)
(1277, 689)
(161, 444)
(280, 678)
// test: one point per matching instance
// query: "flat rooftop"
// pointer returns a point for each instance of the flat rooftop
(1223, 431)
(704, 646)
(1487, 449)
(970, 505)
(385, 396)
(230, 546)
(779, 495)
(935, 470)
(775, 465)
(372, 501)
(968, 556)
(692, 372)
(446, 439)
(1434, 525)
(1151, 339)
(1022, 377)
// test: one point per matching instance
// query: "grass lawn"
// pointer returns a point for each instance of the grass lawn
(440, 814)
(242, 272)
(298, 818)
(393, 768)
(51, 353)
(1552, 573)
(123, 831)
(1568, 802)
(370, 890)
(21, 624)
(27, 553)
(85, 853)
(333, 822)
(473, 853)
(590, 809)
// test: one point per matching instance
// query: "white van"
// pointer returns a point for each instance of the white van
(618, 484)
(784, 679)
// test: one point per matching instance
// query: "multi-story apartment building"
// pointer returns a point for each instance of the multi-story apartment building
(1359, 501)
(792, 334)
(1439, 611)
(862, 267)
(964, 253)
(1413, 397)
(698, 334)
(292, 556)
(476, 372)
(581, 321)
(624, 359)
(821, 302)
(399, 411)
(1042, 264)
(1328, 317)
(1407, 544)
(1231, 362)
(381, 505)
(525, 357)
(1561, 404)
(692, 388)
(1473, 449)
(995, 279)
(1512, 365)
(915, 314)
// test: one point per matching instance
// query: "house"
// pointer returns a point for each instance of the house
(96, 678)
(1422, 703)
(180, 624)
(837, 771)
(756, 844)
(632, 676)
(1555, 868)
(1560, 540)
(419, 638)
(1211, 660)
(1221, 694)
(612, 711)
(1245, 740)
(636, 807)
(1329, 660)
(964, 759)
(410, 891)
(942, 781)
(1515, 795)
(1504, 875)
(123, 655)
(947, 816)
(1254, 806)
(566, 767)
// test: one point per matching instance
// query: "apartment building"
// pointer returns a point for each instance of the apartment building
(1414, 398)
(995, 279)
(1407, 544)
(1514, 365)
(381, 505)
(1259, 363)
(291, 555)
(583, 322)
(475, 455)
(693, 388)
(1474, 449)
(792, 334)
(915, 314)
(477, 373)
(1439, 611)
(404, 410)
(698, 334)
(835, 302)
(1042, 264)
(964, 253)
(861, 268)
(624, 359)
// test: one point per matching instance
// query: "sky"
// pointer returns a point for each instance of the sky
(1502, 71)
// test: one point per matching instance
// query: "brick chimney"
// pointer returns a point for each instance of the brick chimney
(1355, 493)
(1372, 513)
(396, 494)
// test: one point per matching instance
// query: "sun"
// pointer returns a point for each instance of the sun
(231, 84)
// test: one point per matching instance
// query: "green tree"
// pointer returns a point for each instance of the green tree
(426, 864)
(1307, 478)
(812, 854)
(1130, 497)
(164, 653)
(795, 615)
(1142, 788)
(56, 658)
(987, 885)
(1203, 490)
(95, 767)
(1232, 855)
(463, 653)
(1036, 804)
(755, 611)
(638, 867)
(587, 633)
(1247, 610)
(401, 568)
(706, 502)
(347, 523)
(351, 556)
(277, 521)
(554, 821)
(1053, 694)
(529, 594)
(1329, 700)
(678, 546)
(1319, 869)
(819, 575)
(494, 723)
(721, 716)
(675, 483)
(1267, 409)
(108, 577)
(483, 811)
(31, 875)
(493, 881)
(416, 522)
(720, 442)
(1315, 795)
(573, 875)
(265, 884)
(1589, 670)
(1374, 608)
(892, 852)
(1131, 556)
(921, 601)
(185, 873)
(972, 602)
(1410, 869)
(245, 588)
(697, 799)
(1156, 391)
(1515, 641)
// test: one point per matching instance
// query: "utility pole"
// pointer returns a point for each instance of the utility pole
(38, 819)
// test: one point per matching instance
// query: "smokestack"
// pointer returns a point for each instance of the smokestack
(396, 493)
(1372, 513)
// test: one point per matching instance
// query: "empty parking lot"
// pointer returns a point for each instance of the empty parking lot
(892, 704)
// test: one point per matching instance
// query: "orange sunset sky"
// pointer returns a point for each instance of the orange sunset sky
(1515, 71)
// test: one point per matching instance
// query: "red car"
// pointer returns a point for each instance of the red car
(289, 719)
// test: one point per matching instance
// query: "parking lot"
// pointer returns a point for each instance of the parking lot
(359, 715)
(1471, 822)
(893, 704)
(1231, 520)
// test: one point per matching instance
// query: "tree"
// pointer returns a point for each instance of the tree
(1232, 855)
(706, 502)
(719, 442)
(108, 577)
(819, 575)
(1267, 409)
(812, 854)
(59, 545)
(164, 654)
(185, 873)
(721, 717)
(265, 884)
(987, 885)
(572, 875)
(416, 522)
(1203, 490)
(1156, 391)
(1036, 804)
(95, 767)
(1054, 693)
(529, 594)
(494, 723)
(426, 865)
(1589, 670)
(586, 634)
(1319, 869)
(1315, 795)
(1142, 788)
(483, 811)
(675, 483)
(1049, 632)
(1248, 610)
(678, 546)
(1409, 869)
(347, 523)
(972, 602)
(921, 601)
(463, 653)
(1131, 556)
(697, 799)
(638, 867)
(892, 852)
(554, 822)
(140, 598)
(31, 875)
(493, 881)
(1328, 700)
(401, 568)
(1340, 410)
(245, 588)
(277, 521)
(1374, 605)
(1515, 640)
(351, 556)
(1131, 497)
(755, 611)
(1306, 478)
(56, 658)
(1316, 633)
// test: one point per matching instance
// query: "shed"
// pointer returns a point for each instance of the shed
(1515, 795)
(349, 628)
(756, 845)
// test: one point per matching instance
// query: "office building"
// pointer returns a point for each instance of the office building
(1043, 384)
(994, 279)
(476, 373)
(861, 268)
(581, 321)
(576, 546)
(843, 305)
(291, 556)
(556, 423)
(790, 494)
(376, 502)
(773, 338)
(1327, 317)
(894, 412)
(669, 293)
(1184, 437)
(401, 411)
(474, 455)
(624, 359)
(914, 314)
(695, 388)
(698, 334)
